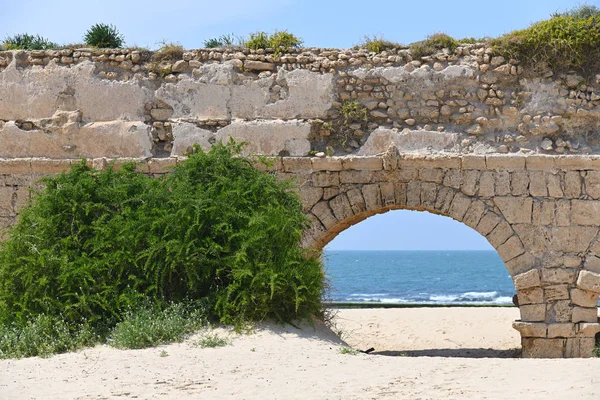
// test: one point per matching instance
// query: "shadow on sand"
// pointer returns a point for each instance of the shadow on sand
(458, 353)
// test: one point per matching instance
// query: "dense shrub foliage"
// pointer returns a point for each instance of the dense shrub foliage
(26, 41)
(104, 36)
(433, 43)
(281, 41)
(94, 244)
(570, 40)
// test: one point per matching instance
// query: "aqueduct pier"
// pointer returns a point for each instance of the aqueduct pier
(513, 153)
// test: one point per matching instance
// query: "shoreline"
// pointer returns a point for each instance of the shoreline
(367, 305)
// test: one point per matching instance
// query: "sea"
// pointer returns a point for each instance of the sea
(417, 277)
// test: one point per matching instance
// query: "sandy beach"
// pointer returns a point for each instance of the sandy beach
(424, 353)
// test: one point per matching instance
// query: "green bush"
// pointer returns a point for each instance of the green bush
(281, 41)
(229, 40)
(104, 36)
(93, 244)
(26, 41)
(150, 325)
(42, 336)
(570, 40)
(433, 43)
(377, 44)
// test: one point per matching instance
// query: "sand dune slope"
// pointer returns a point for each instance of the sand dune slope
(286, 363)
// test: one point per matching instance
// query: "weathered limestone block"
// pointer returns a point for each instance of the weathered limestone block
(428, 195)
(589, 281)
(324, 179)
(352, 176)
(527, 280)
(519, 183)
(372, 196)
(470, 179)
(531, 329)
(340, 205)
(444, 200)
(357, 201)
(487, 223)
(470, 161)
(487, 184)
(592, 263)
(554, 185)
(559, 275)
(559, 311)
(512, 248)
(381, 138)
(363, 163)
(400, 190)
(452, 178)
(388, 194)
(562, 330)
(530, 296)
(6, 201)
(500, 234)
(269, 137)
(309, 95)
(579, 347)
(505, 162)
(572, 239)
(572, 184)
(533, 312)
(115, 139)
(192, 99)
(522, 263)
(502, 187)
(592, 184)
(435, 175)
(584, 298)
(581, 314)
(537, 184)
(459, 207)
(413, 194)
(516, 210)
(585, 212)
(322, 211)
(310, 196)
(186, 135)
(543, 213)
(556, 292)
(312, 235)
(37, 93)
(299, 165)
(473, 214)
(327, 164)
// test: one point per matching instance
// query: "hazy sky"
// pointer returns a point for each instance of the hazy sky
(339, 24)
(320, 23)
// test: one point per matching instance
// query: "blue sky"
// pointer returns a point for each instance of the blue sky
(340, 24)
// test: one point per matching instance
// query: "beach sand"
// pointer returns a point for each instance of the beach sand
(422, 353)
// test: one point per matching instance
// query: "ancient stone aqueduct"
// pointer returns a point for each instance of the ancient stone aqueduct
(510, 152)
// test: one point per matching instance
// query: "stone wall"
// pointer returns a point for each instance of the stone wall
(514, 154)
(126, 103)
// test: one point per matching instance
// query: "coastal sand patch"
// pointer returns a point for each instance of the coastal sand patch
(282, 362)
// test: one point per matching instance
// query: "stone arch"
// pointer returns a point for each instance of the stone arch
(536, 218)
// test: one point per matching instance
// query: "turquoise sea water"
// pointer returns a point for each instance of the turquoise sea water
(430, 277)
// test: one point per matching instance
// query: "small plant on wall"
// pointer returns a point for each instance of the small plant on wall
(104, 36)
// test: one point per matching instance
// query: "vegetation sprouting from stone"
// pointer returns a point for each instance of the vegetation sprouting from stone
(228, 40)
(281, 41)
(432, 44)
(569, 40)
(95, 244)
(377, 44)
(26, 41)
(104, 36)
(169, 51)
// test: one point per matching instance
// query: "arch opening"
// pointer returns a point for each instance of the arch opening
(409, 259)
